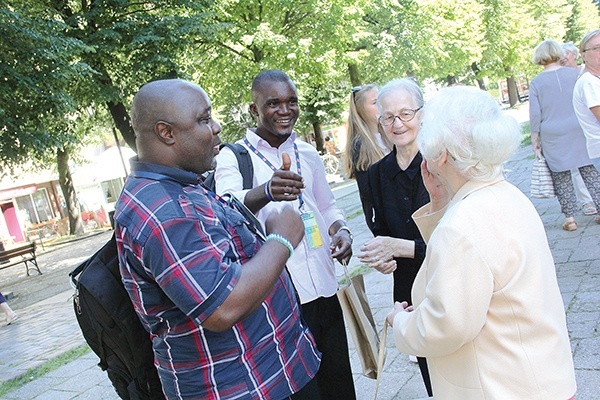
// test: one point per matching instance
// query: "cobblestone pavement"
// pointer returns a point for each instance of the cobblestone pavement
(49, 328)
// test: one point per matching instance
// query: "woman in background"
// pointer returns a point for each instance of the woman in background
(396, 191)
(364, 144)
(583, 195)
(488, 313)
(11, 316)
(555, 132)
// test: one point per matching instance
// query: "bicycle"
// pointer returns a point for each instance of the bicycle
(331, 163)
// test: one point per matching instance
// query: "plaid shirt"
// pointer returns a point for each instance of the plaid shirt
(181, 252)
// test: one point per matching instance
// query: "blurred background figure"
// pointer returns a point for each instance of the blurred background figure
(11, 316)
(396, 190)
(555, 132)
(586, 97)
(364, 144)
(330, 146)
(583, 195)
(571, 56)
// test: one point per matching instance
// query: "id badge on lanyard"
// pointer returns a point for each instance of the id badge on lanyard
(311, 229)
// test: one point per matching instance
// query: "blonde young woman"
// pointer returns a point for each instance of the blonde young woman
(364, 145)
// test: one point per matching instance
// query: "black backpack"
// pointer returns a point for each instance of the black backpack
(111, 327)
(108, 321)
(244, 163)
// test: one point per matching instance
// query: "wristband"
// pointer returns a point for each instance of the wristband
(282, 240)
(268, 191)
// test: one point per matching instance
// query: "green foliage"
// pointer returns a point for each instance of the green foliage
(65, 64)
(303, 38)
(584, 17)
(38, 70)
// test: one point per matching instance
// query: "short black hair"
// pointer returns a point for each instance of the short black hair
(273, 75)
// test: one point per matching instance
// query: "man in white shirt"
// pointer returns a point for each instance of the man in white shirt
(287, 171)
(586, 95)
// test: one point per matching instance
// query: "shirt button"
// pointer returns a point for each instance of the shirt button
(408, 221)
(406, 199)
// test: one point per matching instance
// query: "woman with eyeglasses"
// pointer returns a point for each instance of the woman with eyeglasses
(364, 144)
(396, 190)
(555, 132)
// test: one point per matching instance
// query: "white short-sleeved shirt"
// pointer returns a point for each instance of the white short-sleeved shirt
(585, 96)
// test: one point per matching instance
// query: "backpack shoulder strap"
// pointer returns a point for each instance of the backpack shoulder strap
(244, 162)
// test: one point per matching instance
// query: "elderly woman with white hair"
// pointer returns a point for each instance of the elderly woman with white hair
(487, 312)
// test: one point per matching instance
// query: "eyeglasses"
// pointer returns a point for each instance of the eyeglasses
(356, 89)
(406, 115)
(595, 48)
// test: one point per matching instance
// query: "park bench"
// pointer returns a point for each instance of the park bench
(20, 254)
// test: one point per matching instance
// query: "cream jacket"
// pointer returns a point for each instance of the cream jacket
(488, 314)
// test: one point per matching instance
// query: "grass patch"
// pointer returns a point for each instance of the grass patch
(354, 214)
(526, 140)
(43, 369)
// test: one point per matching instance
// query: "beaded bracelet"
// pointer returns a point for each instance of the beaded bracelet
(282, 240)
(268, 191)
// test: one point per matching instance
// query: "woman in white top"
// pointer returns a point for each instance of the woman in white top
(583, 195)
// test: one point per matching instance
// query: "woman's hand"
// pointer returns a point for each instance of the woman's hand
(398, 308)
(438, 194)
(379, 252)
(537, 145)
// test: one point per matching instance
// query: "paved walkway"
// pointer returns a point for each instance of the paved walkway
(48, 329)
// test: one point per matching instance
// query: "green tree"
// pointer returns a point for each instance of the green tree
(132, 43)
(583, 18)
(39, 68)
(306, 39)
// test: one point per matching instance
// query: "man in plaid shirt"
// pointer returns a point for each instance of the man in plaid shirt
(221, 310)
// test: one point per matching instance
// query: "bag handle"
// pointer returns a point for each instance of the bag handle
(381, 358)
(346, 275)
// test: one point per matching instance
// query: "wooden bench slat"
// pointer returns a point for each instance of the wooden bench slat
(27, 254)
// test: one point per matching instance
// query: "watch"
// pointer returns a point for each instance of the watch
(345, 228)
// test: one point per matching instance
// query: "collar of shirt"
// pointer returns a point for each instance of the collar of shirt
(393, 169)
(185, 177)
(259, 142)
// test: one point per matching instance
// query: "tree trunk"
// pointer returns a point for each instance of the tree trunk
(354, 75)
(66, 184)
(318, 136)
(117, 110)
(513, 95)
(121, 118)
(476, 70)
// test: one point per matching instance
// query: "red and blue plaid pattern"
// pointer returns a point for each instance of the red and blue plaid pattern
(182, 251)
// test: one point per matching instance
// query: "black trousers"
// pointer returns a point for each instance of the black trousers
(334, 379)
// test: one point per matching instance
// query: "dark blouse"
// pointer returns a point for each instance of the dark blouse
(396, 195)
